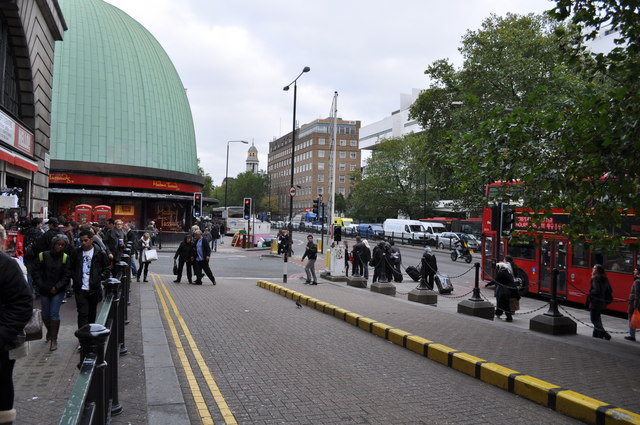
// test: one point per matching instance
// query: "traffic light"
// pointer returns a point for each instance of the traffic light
(316, 206)
(508, 219)
(337, 233)
(197, 204)
(247, 208)
(496, 216)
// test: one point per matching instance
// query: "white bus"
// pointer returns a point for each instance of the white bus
(233, 216)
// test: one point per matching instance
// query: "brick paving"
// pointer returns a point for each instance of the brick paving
(275, 363)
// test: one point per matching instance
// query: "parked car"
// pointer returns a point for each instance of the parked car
(349, 229)
(447, 240)
(371, 231)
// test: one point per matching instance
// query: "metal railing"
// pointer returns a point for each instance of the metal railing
(94, 398)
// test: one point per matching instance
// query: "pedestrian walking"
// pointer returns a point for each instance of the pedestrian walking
(358, 258)
(144, 245)
(429, 267)
(201, 264)
(366, 257)
(52, 275)
(347, 257)
(506, 290)
(600, 296)
(396, 262)
(90, 267)
(215, 234)
(16, 304)
(311, 252)
(634, 302)
(130, 236)
(115, 239)
(185, 255)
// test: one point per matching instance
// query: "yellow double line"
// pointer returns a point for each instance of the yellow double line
(201, 405)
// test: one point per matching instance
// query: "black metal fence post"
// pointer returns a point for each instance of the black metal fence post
(92, 339)
(476, 288)
(114, 288)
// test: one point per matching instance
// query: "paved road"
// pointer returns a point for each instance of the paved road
(254, 352)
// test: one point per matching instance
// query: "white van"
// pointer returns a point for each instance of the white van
(411, 231)
(432, 231)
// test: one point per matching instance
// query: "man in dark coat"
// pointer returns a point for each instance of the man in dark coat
(201, 264)
(358, 258)
(429, 267)
(311, 252)
(90, 268)
(16, 303)
(44, 243)
(115, 239)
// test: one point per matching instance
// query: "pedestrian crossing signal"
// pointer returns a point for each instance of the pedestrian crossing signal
(197, 204)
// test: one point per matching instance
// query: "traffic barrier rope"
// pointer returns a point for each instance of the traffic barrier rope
(555, 397)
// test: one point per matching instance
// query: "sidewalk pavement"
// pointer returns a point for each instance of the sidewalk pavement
(150, 391)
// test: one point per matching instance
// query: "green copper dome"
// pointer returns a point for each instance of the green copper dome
(117, 98)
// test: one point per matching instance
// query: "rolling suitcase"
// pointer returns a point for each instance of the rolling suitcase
(444, 284)
(413, 273)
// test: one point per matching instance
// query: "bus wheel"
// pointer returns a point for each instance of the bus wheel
(523, 289)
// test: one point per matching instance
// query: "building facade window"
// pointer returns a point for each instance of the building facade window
(353, 142)
(342, 166)
(352, 167)
(343, 142)
(341, 179)
(353, 155)
(320, 178)
(320, 165)
(320, 154)
(321, 142)
(343, 154)
(341, 191)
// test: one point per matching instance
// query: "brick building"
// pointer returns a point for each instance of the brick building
(312, 166)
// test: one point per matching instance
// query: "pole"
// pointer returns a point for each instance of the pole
(334, 111)
(293, 150)
(226, 180)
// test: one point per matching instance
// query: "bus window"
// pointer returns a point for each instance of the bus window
(524, 250)
(620, 261)
(580, 255)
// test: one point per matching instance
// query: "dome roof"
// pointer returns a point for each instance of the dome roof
(253, 149)
(117, 98)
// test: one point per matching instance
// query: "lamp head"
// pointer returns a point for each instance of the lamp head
(306, 69)
(285, 88)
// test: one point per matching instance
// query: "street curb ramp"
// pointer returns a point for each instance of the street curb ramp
(562, 400)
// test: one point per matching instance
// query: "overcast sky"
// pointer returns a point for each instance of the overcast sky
(234, 58)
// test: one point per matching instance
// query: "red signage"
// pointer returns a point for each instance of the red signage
(121, 182)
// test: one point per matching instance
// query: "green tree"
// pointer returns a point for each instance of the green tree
(531, 105)
(249, 185)
(395, 182)
(340, 203)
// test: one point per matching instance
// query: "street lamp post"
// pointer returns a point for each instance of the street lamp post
(293, 139)
(292, 187)
(226, 174)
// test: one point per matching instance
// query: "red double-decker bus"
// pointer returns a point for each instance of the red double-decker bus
(537, 253)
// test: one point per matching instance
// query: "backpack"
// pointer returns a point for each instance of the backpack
(64, 257)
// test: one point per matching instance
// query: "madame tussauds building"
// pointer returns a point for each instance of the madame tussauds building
(122, 132)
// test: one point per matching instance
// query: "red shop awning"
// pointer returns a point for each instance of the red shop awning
(18, 160)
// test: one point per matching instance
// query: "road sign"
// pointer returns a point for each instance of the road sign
(292, 191)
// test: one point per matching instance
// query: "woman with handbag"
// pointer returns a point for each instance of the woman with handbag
(634, 302)
(144, 247)
(185, 255)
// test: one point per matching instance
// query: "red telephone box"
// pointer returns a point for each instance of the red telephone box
(101, 214)
(83, 214)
